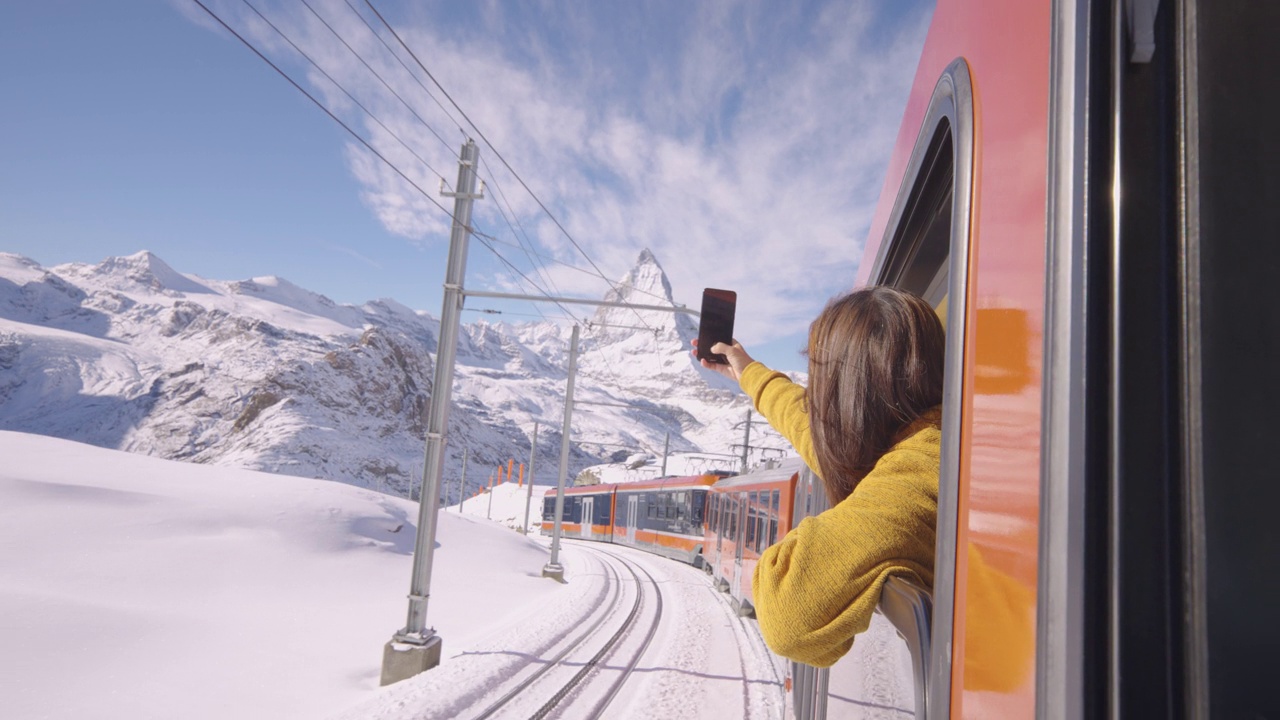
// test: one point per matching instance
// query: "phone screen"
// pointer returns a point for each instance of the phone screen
(716, 322)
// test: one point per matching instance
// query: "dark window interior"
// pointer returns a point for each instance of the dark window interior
(918, 251)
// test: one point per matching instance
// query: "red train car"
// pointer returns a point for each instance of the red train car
(746, 514)
(1084, 188)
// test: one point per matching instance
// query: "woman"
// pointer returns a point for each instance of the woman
(869, 426)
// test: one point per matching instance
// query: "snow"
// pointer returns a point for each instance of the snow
(131, 354)
(135, 587)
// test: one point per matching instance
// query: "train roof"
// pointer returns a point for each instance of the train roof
(583, 489)
(684, 482)
(779, 472)
(689, 482)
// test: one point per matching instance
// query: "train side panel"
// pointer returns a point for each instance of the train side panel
(752, 512)
(1005, 46)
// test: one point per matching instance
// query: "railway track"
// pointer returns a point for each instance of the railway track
(582, 675)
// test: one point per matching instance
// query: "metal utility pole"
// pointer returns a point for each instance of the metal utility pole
(488, 514)
(666, 450)
(528, 499)
(553, 569)
(462, 481)
(416, 647)
(746, 442)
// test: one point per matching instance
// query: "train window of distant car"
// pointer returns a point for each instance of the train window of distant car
(751, 520)
(773, 517)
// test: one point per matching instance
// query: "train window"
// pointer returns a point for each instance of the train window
(751, 520)
(925, 249)
(697, 501)
(773, 517)
(733, 519)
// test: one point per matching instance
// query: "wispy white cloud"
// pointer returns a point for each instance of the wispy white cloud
(357, 255)
(744, 143)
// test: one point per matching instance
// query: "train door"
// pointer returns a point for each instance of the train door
(633, 518)
(588, 505)
(740, 510)
(720, 506)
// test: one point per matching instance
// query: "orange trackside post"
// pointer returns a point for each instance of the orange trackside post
(520, 483)
(510, 466)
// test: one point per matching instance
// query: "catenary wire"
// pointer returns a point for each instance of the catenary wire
(321, 105)
(380, 78)
(406, 68)
(496, 153)
(338, 85)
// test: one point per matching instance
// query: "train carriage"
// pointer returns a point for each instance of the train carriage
(746, 514)
(664, 516)
(1085, 189)
(588, 512)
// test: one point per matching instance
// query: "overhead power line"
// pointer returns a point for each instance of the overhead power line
(385, 84)
(338, 85)
(496, 153)
(321, 105)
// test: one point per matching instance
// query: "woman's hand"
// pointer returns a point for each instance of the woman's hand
(737, 357)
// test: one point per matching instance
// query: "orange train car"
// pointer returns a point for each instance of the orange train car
(1086, 190)
(746, 514)
(588, 512)
(663, 516)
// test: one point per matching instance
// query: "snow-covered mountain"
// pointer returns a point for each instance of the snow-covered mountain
(263, 374)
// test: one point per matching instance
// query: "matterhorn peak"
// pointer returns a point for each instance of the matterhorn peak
(644, 284)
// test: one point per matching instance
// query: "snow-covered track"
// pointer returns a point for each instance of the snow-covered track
(552, 680)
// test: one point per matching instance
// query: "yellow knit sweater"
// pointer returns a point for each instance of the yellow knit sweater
(817, 588)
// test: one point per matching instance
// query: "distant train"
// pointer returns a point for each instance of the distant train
(722, 523)
(663, 516)
(717, 522)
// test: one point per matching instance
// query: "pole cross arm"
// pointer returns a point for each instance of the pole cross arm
(580, 301)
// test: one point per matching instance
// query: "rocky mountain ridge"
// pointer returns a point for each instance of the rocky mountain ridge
(132, 354)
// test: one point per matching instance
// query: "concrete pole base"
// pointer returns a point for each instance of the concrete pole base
(555, 571)
(401, 660)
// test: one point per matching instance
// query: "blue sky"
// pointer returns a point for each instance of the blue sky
(744, 143)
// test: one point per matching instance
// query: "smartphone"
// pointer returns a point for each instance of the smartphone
(716, 323)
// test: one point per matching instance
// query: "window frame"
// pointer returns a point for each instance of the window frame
(950, 110)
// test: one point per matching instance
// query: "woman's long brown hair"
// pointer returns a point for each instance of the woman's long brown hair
(875, 365)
